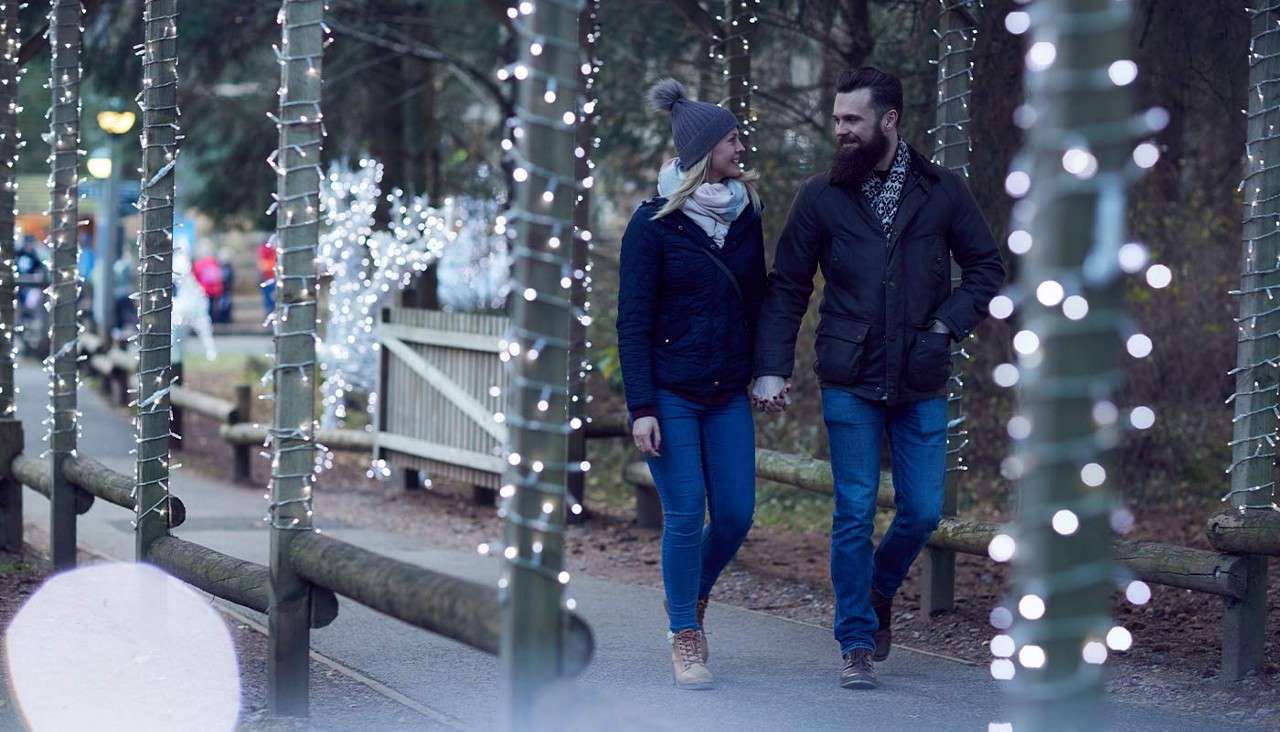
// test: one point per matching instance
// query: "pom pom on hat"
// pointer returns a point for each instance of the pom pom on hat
(665, 94)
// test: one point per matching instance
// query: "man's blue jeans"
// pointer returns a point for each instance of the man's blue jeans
(918, 441)
(707, 464)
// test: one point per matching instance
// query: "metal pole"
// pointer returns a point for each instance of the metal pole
(108, 249)
(297, 209)
(155, 269)
(64, 139)
(1077, 166)
(537, 355)
(951, 148)
(1253, 430)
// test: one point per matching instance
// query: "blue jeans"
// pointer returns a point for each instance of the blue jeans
(707, 463)
(918, 441)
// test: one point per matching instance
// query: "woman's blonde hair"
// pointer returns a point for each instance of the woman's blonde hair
(695, 176)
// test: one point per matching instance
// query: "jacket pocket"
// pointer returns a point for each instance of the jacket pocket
(839, 348)
(929, 361)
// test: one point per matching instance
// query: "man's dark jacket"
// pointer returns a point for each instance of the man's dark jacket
(682, 325)
(881, 291)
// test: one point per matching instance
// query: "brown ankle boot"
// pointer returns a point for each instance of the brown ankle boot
(702, 614)
(687, 662)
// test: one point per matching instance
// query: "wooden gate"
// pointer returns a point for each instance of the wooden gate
(436, 404)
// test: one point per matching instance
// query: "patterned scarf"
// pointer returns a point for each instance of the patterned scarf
(884, 195)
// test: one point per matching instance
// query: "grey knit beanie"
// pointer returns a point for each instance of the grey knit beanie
(696, 126)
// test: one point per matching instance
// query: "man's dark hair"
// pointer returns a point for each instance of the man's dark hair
(886, 89)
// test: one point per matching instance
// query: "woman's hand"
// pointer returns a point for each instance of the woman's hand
(647, 435)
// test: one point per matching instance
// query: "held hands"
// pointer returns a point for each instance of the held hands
(771, 394)
(647, 436)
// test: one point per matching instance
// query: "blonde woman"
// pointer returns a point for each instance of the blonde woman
(691, 281)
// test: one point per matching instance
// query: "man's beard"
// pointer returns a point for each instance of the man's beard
(853, 163)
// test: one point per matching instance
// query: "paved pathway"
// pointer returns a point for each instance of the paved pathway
(772, 673)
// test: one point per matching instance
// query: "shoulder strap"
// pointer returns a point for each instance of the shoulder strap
(727, 272)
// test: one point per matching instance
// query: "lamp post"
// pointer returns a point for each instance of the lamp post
(104, 164)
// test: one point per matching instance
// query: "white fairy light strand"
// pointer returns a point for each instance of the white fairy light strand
(740, 23)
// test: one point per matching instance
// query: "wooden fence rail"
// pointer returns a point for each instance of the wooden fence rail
(465, 611)
(1165, 564)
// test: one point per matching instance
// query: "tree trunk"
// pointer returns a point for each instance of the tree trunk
(1063, 557)
(538, 361)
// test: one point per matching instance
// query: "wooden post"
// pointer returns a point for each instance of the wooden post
(10, 487)
(176, 412)
(297, 207)
(155, 270)
(1253, 433)
(740, 25)
(11, 39)
(1078, 163)
(579, 360)
(956, 33)
(242, 466)
(538, 362)
(64, 139)
(648, 506)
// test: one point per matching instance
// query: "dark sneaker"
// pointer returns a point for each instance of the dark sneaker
(858, 671)
(883, 607)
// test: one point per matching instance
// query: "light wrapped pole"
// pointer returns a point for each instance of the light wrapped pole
(1069, 221)
(1253, 427)
(159, 139)
(297, 208)
(740, 24)
(64, 290)
(957, 34)
(537, 349)
(10, 140)
(585, 135)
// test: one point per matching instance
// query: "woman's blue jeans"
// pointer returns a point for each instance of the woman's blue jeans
(918, 444)
(707, 463)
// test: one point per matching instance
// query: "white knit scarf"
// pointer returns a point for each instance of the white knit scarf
(712, 206)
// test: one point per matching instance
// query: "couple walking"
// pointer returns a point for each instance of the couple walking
(699, 320)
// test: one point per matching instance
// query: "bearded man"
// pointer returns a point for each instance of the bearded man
(884, 224)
